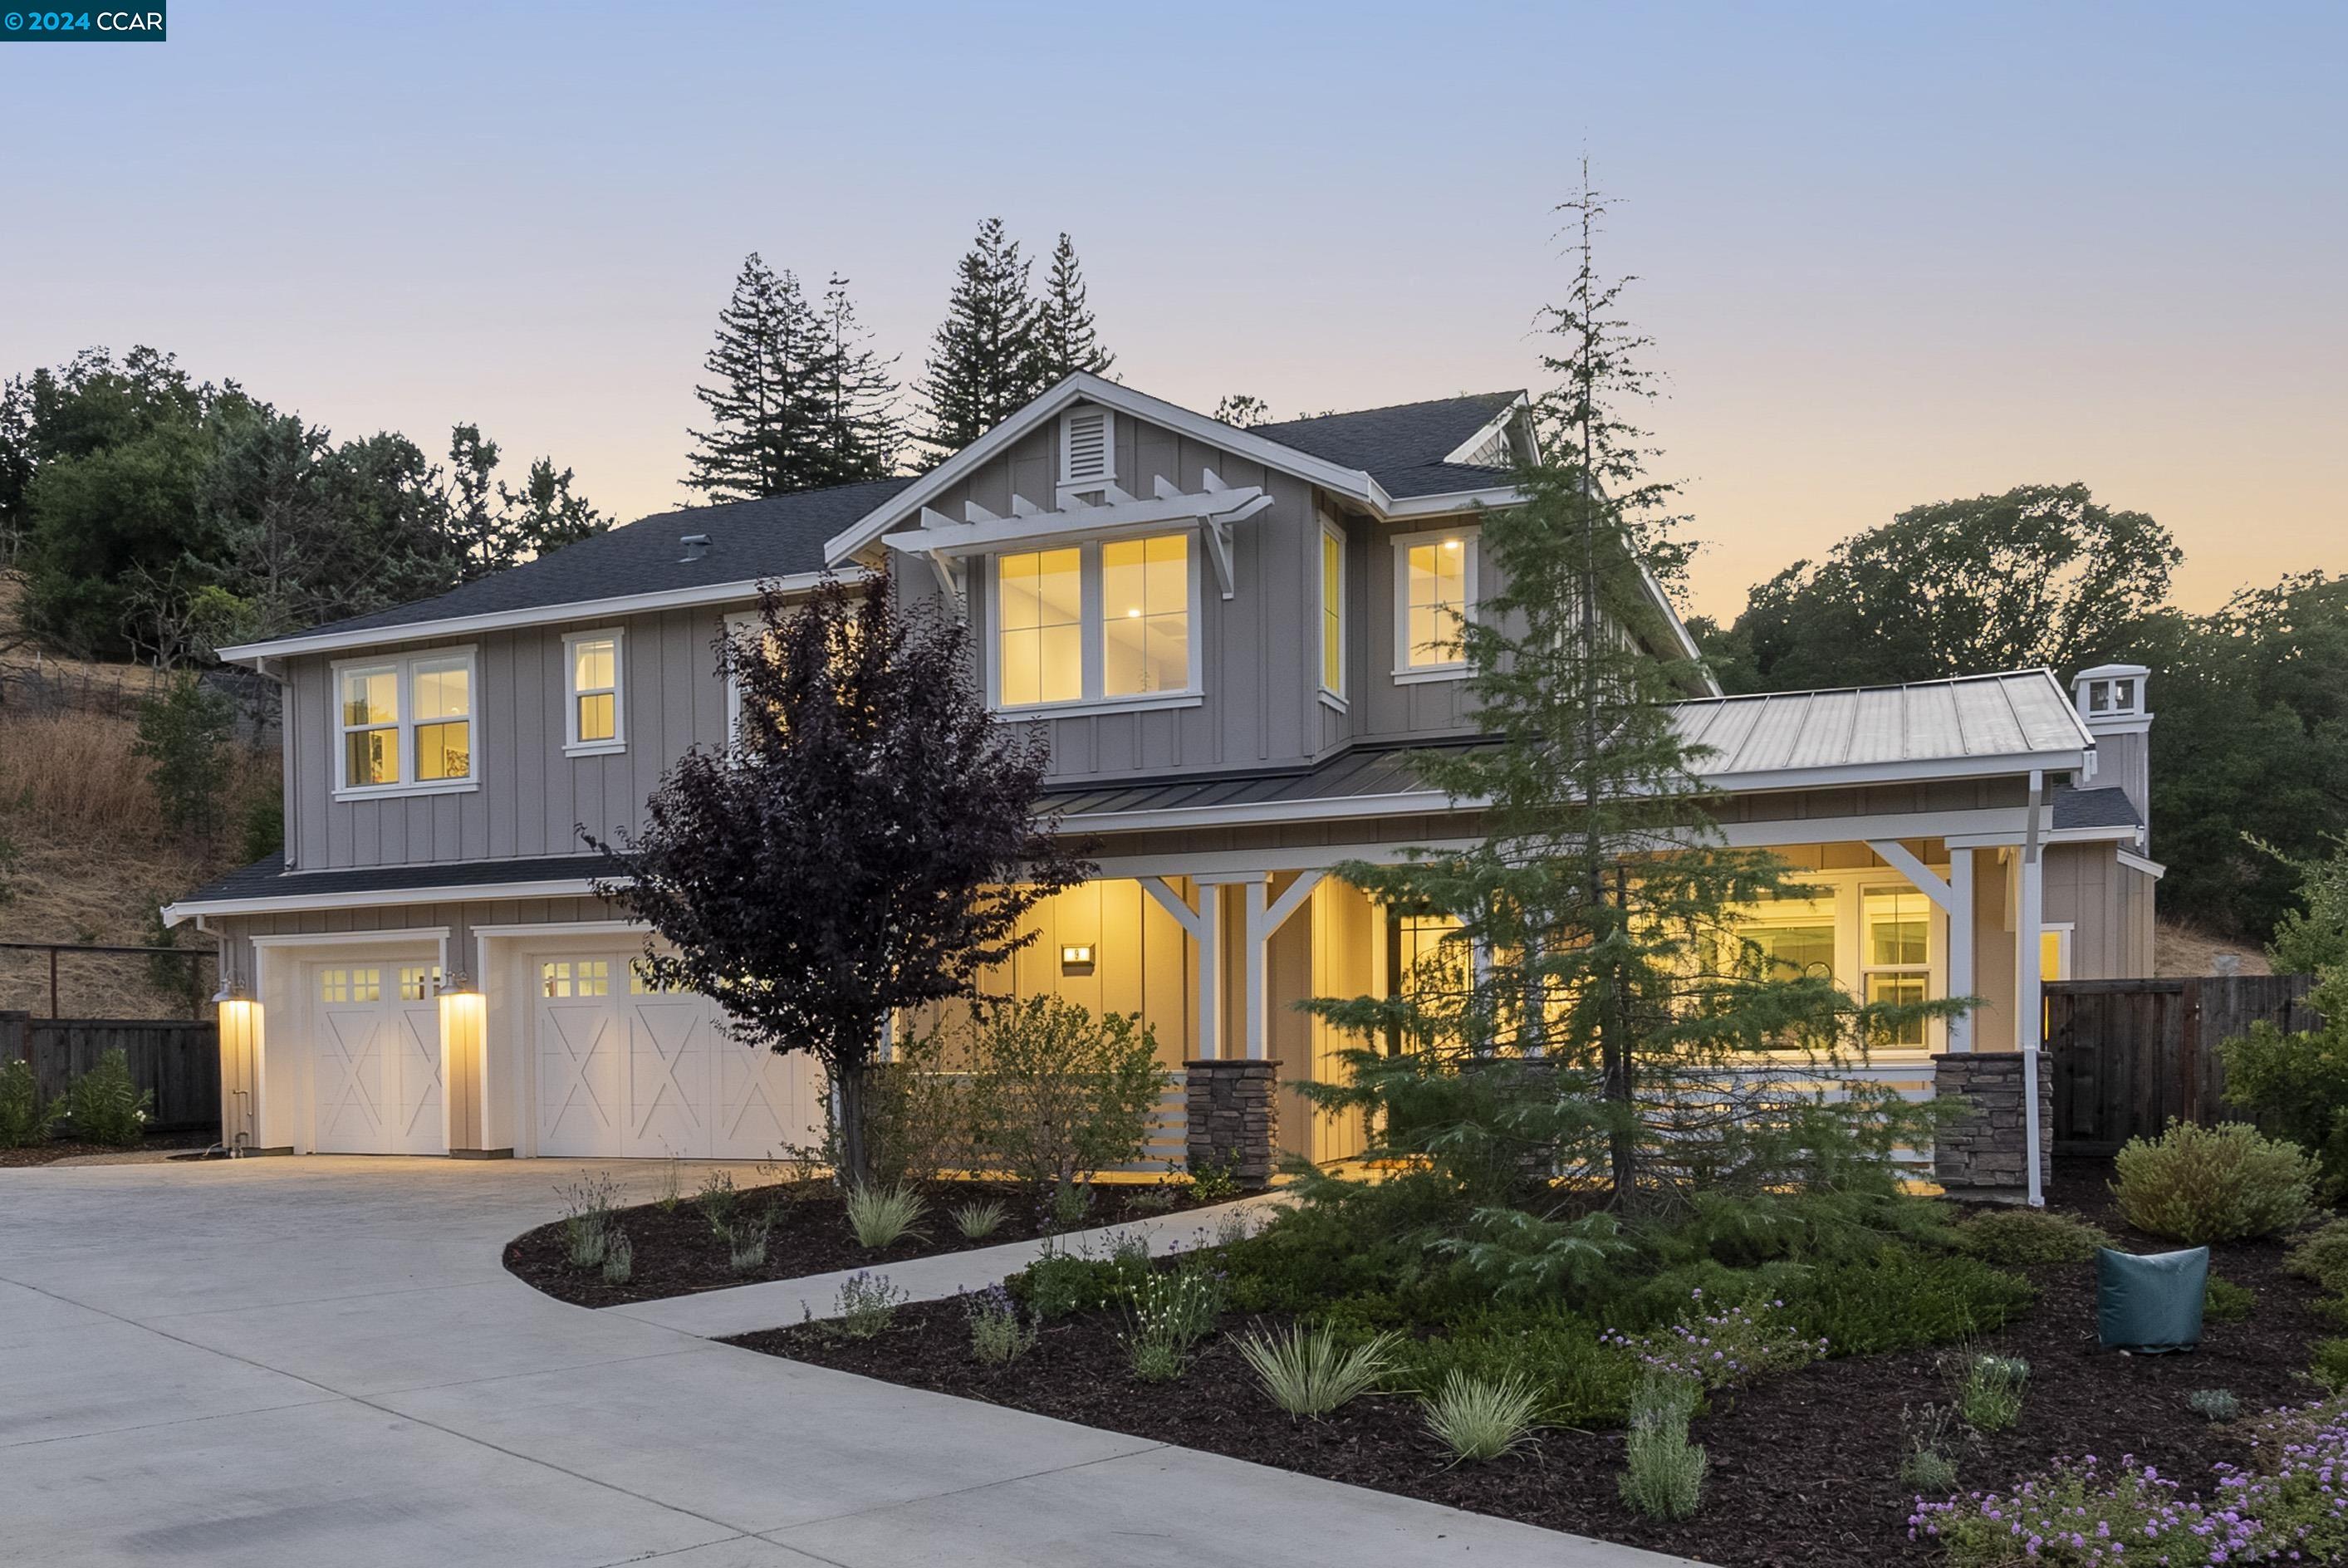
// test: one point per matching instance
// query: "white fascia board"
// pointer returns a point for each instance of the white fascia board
(534, 615)
(1085, 387)
(1490, 427)
(287, 904)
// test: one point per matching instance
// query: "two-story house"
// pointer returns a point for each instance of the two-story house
(1230, 637)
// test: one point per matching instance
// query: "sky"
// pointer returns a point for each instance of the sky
(1887, 253)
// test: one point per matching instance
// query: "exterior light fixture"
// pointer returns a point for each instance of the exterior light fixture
(1077, 956)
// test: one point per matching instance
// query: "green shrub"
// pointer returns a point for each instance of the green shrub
(2322, 1257)
(1055, 1095)
(2214, 1404)
(24, 1119)
(2199, 1184)
(103, 1106)
(1580, 1381)
(882, 1216)
(1662, 1473)
(2024, 1238)
(1306, 1373)
(867, 1305)
(1990, 1390)
(1481, 1418)
(2329, 1367)
(2225, 1301)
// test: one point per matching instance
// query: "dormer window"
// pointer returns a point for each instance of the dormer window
(1087, 451)
(405, 725)
(592, 660)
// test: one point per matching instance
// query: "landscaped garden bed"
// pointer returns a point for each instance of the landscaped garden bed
(1806, 1464)
(691, 1241)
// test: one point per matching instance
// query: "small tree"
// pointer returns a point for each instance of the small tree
(1056, 1095)
(869, 843)
(183, 734)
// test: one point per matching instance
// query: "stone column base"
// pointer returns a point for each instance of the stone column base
(1234, 1118)
(1985, 1156)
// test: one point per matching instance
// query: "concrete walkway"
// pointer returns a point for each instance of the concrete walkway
(778, 1303)
(316, 1361)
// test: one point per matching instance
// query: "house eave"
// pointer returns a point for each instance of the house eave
(533, 615)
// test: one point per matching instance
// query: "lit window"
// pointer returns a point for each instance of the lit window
(1146, 616)
(593, 658)
(1332, 613)
(407, 724)
(1897, 953)
(1041, 639)
(1434, 586)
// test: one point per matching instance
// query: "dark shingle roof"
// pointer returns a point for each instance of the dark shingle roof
(2106, 808)
(1401, 446)
(270, 879)
(747, 539)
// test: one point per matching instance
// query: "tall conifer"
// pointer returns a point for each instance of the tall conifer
(855, 396)
(1065, 341)
(763, 437)
(983, 362)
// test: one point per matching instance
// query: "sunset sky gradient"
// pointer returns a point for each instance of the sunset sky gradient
(1887, 253)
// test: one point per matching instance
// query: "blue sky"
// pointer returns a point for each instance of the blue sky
(1889, 253)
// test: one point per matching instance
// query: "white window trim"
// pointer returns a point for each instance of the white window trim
(1090, 631)
(1064, 487)
(404, 666)
(1404, 672)
(1334, 695)
(571, 744)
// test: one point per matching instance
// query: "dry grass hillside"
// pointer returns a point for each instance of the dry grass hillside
(94, 856)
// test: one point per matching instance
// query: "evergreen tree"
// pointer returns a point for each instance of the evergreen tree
(983, 361)
(765, 420)
(1598, 1031)
(1065, 339)
(855, 395)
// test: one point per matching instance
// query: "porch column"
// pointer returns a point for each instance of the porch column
(1961, 944)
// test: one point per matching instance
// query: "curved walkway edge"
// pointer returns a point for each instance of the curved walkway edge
(780, 1302)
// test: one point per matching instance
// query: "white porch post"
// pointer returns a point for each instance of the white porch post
(1961, 944)
(2030, 1028)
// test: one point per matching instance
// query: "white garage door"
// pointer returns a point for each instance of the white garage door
(623, 1069)
(374, 1059)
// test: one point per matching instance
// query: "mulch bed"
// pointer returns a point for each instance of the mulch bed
(675, 1252)
(1804, 1467)
(66, 1148)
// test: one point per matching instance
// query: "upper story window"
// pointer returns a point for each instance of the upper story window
(1333, 612)
(405, 725)
(1435, 596)
(593, 661)
(1106, 623)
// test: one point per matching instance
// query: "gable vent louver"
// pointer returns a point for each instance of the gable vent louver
(1085, 449)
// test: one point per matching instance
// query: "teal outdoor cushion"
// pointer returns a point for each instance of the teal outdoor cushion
(2150, 1304)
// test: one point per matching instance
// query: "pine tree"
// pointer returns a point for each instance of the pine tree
(1065, 341)
(1597, 1030)
(855, 394)
(763, 417)
(983, 362)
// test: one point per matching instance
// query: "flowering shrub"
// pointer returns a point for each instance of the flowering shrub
(2291, 1507)
(1720, 1349)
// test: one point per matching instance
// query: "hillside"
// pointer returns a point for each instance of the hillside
(93, 856)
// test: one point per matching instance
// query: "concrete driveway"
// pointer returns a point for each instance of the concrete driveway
(320, 1361)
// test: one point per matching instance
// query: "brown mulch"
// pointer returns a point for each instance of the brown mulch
(1804, 1467)
(676, 1252)
(67, 1148)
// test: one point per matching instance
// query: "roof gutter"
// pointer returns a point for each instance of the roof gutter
(255, 653)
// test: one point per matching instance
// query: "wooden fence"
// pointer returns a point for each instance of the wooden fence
(177, 1059)
(2129, 1056)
